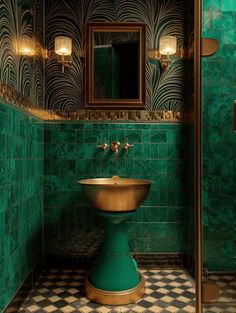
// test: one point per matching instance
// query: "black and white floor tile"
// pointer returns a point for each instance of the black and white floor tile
(219, 309)
(167, 291)
(61, 291)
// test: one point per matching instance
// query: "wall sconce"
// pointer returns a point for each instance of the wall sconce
(25, 46)
(167, 47)
(63, 49)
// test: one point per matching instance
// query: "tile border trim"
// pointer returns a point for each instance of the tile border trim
(12, 97)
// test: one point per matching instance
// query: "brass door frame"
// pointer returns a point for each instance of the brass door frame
(198, 154)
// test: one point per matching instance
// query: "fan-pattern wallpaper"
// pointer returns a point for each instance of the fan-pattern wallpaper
(170, 90)
(20, 18)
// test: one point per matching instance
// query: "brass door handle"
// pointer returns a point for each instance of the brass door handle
(209, 46)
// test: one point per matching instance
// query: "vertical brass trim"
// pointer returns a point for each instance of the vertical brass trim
(198, 156)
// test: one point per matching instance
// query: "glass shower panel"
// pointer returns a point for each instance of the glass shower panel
(219, 159)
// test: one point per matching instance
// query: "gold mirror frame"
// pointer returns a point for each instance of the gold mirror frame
(90, 100)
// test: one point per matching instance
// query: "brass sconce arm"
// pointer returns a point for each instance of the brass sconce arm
(65, 61)
(63, 50)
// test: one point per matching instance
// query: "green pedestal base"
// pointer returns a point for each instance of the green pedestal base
(114, 271)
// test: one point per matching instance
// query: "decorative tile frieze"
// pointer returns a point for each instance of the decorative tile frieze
(11, 95)
(119, 116)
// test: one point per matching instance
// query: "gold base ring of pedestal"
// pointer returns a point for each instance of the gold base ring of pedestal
(115, 297)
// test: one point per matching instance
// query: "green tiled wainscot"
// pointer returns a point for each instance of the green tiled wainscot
(21, 205)
(161, 152)
(219, 141)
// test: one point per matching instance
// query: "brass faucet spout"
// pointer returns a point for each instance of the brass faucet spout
(115, 147)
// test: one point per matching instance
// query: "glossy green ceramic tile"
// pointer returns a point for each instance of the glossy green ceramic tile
(228, 5)
(158, 136)
(146, 136)
(2, 146)
(113, 134)
(134, 136)
(155, 151)
(219, 141)
(67, 136)
(2, 173)
(162, 151)
(152, 157)
(21, 200)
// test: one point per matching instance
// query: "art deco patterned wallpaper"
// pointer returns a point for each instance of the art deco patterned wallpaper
(22, 74)
(170, 91)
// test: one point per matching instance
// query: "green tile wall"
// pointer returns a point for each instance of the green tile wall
(161, 153)
(219, 141)
(21, 199)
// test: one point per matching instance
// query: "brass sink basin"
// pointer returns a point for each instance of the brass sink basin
(116, 194)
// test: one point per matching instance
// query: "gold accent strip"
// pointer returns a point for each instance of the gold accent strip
(209, 46)
(123, 116)
(198, 153)
(115, 297)
(11, 96)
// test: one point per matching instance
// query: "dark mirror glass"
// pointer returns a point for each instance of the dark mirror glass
(115, 65)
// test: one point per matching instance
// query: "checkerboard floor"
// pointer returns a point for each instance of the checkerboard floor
(61, 291)
(219, 309)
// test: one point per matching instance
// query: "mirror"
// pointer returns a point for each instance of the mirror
(115, 65)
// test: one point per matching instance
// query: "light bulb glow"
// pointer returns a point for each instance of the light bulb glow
(168, 45)
(63, 45)
(26, 47)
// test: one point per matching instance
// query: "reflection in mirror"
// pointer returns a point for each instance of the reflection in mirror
(115, 63)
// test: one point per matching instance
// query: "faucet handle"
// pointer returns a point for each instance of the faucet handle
(127, 145)
(103, 147)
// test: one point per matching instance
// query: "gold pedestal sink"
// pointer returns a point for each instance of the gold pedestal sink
(116, 194)
(114, 278)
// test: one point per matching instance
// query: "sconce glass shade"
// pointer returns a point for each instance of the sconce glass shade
(63, 45)
(26, 46)
(168, 45)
